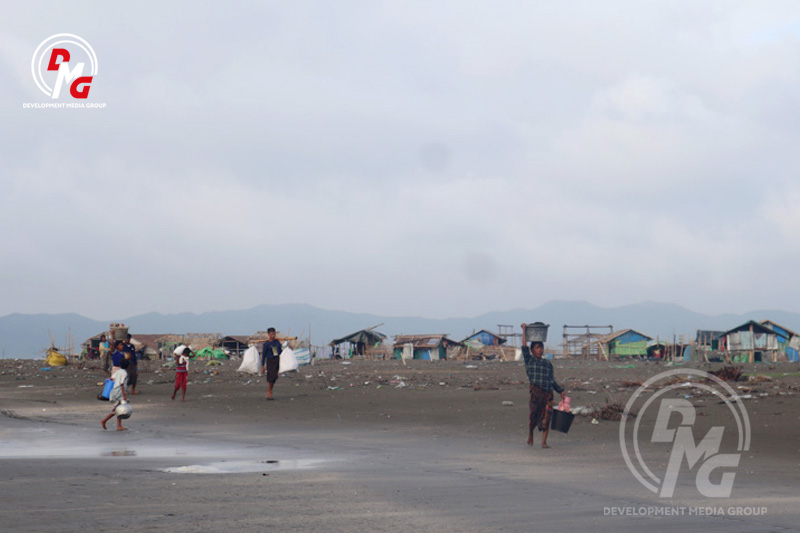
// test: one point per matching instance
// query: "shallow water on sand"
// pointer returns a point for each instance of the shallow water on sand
(49, 441)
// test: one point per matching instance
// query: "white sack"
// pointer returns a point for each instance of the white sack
(288, 361)
(251, 361)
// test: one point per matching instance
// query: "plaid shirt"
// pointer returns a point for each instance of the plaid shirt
(540, 372)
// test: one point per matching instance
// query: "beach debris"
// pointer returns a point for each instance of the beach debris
(759, 378)
(508, 404)
(627, 383)
(582, 410)
(729, 373)
(612, 410)
(399, 385)
(470, 366)
(594, 421)
(334, 388)
(345, 363)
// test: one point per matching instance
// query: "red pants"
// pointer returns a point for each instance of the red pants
(181, 378)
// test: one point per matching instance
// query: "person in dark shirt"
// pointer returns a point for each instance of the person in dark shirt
(542, 383)
(118, 356)
(133, 365)
(270, 360)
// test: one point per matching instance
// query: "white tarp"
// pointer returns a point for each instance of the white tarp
(251, 361)
(303, 356)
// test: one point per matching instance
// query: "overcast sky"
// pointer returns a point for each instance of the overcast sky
(404, 158)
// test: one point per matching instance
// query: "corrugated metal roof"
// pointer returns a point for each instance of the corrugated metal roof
(432, 340)
(608, 337)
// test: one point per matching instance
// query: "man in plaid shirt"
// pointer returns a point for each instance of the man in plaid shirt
(542, 383)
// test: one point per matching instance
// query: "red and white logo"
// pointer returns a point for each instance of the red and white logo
(64, 63)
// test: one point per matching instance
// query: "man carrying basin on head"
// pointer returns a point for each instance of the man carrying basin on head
(542, 383)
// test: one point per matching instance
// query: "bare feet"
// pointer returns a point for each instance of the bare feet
(122, 429)
(269, 397)
(544, 445)
(530, 441)
(103, 423)
(173, 396)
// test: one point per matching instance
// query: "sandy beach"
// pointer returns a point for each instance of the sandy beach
(369, 445)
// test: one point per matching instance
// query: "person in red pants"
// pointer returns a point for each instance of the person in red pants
(182, 355)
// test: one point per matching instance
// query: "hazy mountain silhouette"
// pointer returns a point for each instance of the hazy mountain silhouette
(26, 336)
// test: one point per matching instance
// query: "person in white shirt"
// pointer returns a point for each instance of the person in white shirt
(118, 394)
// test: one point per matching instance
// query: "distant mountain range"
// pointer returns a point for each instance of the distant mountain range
(26, 336)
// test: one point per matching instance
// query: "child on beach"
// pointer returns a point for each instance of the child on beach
(118, 394)
(182, 355)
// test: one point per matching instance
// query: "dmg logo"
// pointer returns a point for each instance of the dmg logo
(674, 422)
(62, 60)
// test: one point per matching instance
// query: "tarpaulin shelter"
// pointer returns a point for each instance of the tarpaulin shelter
(361, 340)
(430, 347)
(211, 353)
(366, 336)
(751, 342)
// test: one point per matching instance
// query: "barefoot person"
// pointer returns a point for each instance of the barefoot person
(182, 355)
(542, 383)
(270, 360)
(118, 394)
(133, 365)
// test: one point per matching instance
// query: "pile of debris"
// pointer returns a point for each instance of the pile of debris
(611, 411)
(729, 373)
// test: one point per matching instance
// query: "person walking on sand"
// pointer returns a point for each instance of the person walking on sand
(182, 355)
(542, 383)
(133, 365)
(270, 360)
(103, 348)
(118, 394)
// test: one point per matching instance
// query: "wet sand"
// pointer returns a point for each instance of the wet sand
(365, 446)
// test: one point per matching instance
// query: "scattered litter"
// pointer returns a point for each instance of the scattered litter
(470, 366)
(334, 388)
(594, 421)
(508, 404)
(442, 383)
(758, 379)
(347, 363)
(400, 385)
(25, 386)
